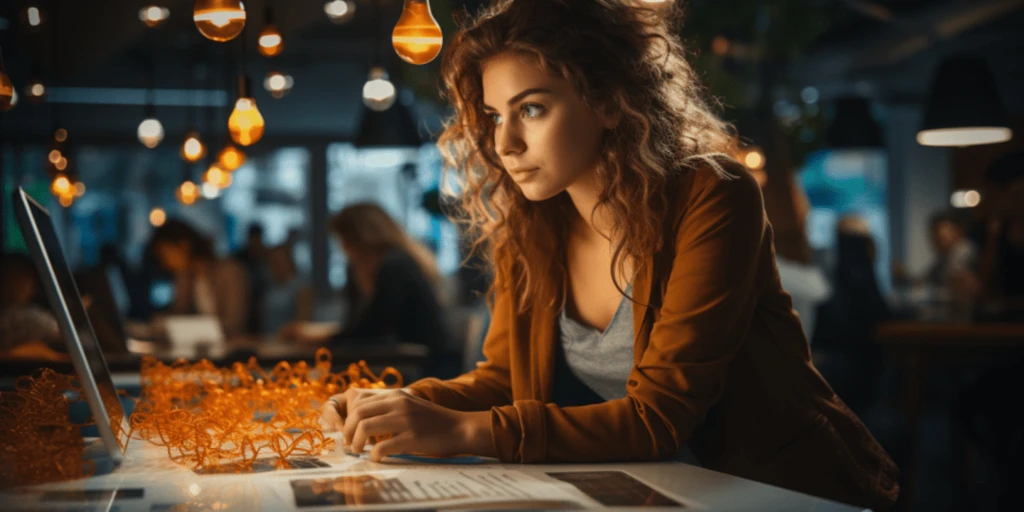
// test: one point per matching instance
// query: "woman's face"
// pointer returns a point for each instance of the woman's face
(173, 256)
(546, 137)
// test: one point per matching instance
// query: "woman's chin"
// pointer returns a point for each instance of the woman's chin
(536, 192)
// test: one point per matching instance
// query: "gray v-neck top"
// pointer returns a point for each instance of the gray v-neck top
(601, 360)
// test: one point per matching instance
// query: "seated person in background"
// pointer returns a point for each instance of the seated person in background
(952, 275)
(392, 283)
(26, 330)
(844, 352)
(288, 296)
(203, 283)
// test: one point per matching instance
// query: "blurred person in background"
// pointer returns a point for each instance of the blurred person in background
(844, 350)
(254, 257)
(26, 329)
(392, 286)
(801, 277)
(203, 283)
(288, 296)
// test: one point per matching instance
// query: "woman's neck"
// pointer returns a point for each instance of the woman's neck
(594, 222)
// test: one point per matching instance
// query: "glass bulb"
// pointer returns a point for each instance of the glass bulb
(153, 15)
(417, 36)
(35, 91)
(8, 96)
(219, 20)
(271, 44)
(230, 158)
(378, 91)
(157, 217)
(246, 122)
(340, 11)
(150, 132)
(193, 148)
(187, 193)
(277, 84)
(61, 185)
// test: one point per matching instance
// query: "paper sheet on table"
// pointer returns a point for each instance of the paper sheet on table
(435, 488)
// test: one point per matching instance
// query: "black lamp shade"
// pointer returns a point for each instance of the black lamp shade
(393, 127)
(852, 125)
(963, 106)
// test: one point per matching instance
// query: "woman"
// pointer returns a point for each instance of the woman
(203, 283)
(592, 176)
(392, 282)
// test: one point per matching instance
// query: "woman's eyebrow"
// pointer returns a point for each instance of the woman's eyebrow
(515, 99)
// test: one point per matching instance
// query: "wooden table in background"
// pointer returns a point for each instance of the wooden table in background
(920, 346)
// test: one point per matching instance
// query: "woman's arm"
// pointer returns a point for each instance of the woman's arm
(707, 309)
(488, 385)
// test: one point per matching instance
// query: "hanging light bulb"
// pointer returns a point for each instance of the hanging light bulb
(32, 16)
(150, 131)
(61, 163)
(54, 156)
(153, 15)
(157, 217)
(35, 91)
(230, 158)
(219, 20)
(61, 185)
(754, 159)
(277, 84)
(378, 91)
(193, 148)
(187, 193)
(417, 36)
(271, 43)
(340, 11)
(217, 176)
(246, 123)
(60, 135)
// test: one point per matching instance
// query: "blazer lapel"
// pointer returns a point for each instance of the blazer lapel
(542, 337)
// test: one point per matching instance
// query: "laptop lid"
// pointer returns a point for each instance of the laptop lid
(83, 347)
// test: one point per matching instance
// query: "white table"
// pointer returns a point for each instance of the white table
(165, 484)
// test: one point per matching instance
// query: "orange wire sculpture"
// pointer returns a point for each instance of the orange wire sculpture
(38, 442)
(209, 417)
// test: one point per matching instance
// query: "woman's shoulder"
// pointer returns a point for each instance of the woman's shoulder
(712, 196)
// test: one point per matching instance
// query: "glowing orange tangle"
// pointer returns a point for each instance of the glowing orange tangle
(209, 417)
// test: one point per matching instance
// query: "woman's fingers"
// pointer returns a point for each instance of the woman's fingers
(401, 443)
(371, 427)
(331, 419)
(361, 412)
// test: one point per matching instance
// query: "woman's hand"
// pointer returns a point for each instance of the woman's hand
(334, 411)
(408, 424)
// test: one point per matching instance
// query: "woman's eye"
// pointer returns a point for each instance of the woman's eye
(495, 117)
(532, 110)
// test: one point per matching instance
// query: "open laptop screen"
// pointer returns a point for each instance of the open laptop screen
(83, 348)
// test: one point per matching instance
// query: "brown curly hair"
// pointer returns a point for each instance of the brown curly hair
(618, 55)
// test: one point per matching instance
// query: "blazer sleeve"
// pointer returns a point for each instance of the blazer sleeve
(488, 385)
(705, 316)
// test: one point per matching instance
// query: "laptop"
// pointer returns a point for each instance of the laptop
(83, 347)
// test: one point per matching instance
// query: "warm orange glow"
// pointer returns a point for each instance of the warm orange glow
(60, 135)
(217, 176)
(193, 148)
(6, 92)
(157, 217)
(61, 163)
(219, 20)
(55, 156)
(66, 200)
(61, 186)
(417, 36)
(187, 193)
(246, 122)
(230, 158)
(271, 43)
(35, 91)
(720, 46)
(754, 159)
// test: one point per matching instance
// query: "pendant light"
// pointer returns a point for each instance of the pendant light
(964, 108)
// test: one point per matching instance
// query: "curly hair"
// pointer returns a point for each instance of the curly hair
(617, 55)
